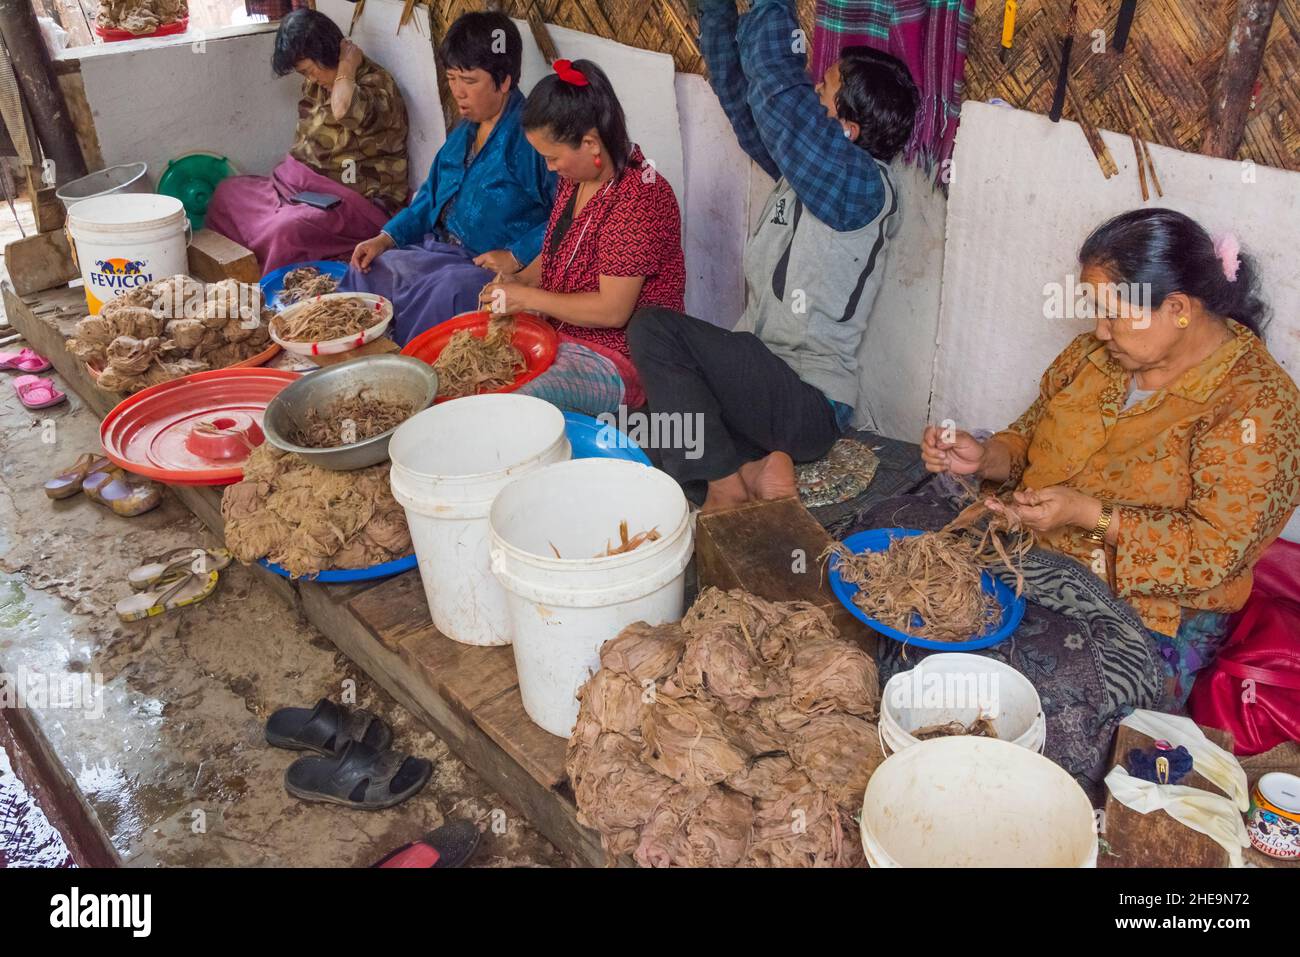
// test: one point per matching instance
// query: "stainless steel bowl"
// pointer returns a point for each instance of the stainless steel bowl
(400, 378)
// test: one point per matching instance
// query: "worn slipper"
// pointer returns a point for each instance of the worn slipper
(121, 492)
(326, 728)
(67, 483)
(25, 360)
(36, 392)
(358, 777)
(451, 845)
(189, 590)
(160, 569)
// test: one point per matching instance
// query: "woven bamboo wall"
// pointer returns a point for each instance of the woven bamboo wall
(1172, 61)
(661, 25)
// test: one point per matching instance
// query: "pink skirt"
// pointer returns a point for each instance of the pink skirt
(256, 212)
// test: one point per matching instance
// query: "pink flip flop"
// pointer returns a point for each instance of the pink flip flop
(37, 393)
(23, 361)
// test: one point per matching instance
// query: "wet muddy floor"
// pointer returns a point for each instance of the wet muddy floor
(159, 724)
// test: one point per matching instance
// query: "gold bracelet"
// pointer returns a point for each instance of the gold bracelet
(1098, 533)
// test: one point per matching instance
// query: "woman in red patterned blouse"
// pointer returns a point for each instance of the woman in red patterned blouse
(614, 242)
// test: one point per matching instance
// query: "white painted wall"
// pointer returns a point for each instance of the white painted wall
(1025, 194)
(155, 100)
(408, 55)
(897, 352)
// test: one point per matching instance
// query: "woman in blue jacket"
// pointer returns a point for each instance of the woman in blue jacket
(484, 208)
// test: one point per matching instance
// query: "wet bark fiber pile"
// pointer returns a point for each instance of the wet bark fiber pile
(742, 736)
(308, 519)
(140, 16)
(170, 328)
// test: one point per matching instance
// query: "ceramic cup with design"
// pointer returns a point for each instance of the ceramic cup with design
(1274, 819)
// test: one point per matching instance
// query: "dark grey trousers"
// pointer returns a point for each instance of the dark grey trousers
(749, 401)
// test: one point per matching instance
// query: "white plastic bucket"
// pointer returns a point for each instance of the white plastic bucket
(124, 240)
(563, 609)
(960, 687)
(449, 462)
(975, 802)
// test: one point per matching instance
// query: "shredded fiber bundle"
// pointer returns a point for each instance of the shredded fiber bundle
(139, 16)
(170, 328)
(306, 282)
(930, 585)
(470, 364)
(353, 419)
(742, 736)
(326, 319)
(308, 519)
(629, 544)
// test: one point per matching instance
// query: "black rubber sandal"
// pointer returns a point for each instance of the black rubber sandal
(451, 845)
(359, 777)
(326, 728)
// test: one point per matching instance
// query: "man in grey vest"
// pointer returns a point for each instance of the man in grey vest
(781, 388)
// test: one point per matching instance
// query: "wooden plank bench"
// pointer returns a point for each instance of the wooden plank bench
(470, 695)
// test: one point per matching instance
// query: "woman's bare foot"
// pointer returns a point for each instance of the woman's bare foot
(770, 477)
(725, 493)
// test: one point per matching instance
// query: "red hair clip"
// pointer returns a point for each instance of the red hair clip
(566, 71)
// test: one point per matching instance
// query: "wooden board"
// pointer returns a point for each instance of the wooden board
(83, 122)
(382, 346)
(40, 262)
(1156, 839)
(213, 257)
(773, 550)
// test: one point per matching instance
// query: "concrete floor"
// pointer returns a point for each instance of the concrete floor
(170, 757)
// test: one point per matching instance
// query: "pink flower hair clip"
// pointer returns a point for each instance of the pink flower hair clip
(1228, 249)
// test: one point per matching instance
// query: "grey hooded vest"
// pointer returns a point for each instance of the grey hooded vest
(811, 288)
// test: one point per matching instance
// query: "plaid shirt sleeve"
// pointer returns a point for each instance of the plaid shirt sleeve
(718, 19)
(837, 181)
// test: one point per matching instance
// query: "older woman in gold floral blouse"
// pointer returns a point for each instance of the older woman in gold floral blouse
(1163, 449)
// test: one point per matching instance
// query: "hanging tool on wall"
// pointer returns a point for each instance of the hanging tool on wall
(1122, 24)
(1008, 29)
(1139, 141)
(1099, 148)
(1063, 78)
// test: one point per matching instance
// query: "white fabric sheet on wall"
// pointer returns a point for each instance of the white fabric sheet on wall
(1025, 194)
(408, 55)
(896, 357)
(716, 192)
(643, 82)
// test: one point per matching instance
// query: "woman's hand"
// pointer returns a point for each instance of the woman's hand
(500, 261)
(349, 59)
(367, 251)
(502, 296)
(1045, 510)
(963, 455)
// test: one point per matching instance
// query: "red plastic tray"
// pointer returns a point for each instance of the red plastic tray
(534, 337)
(116, 34)
(148, 432)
